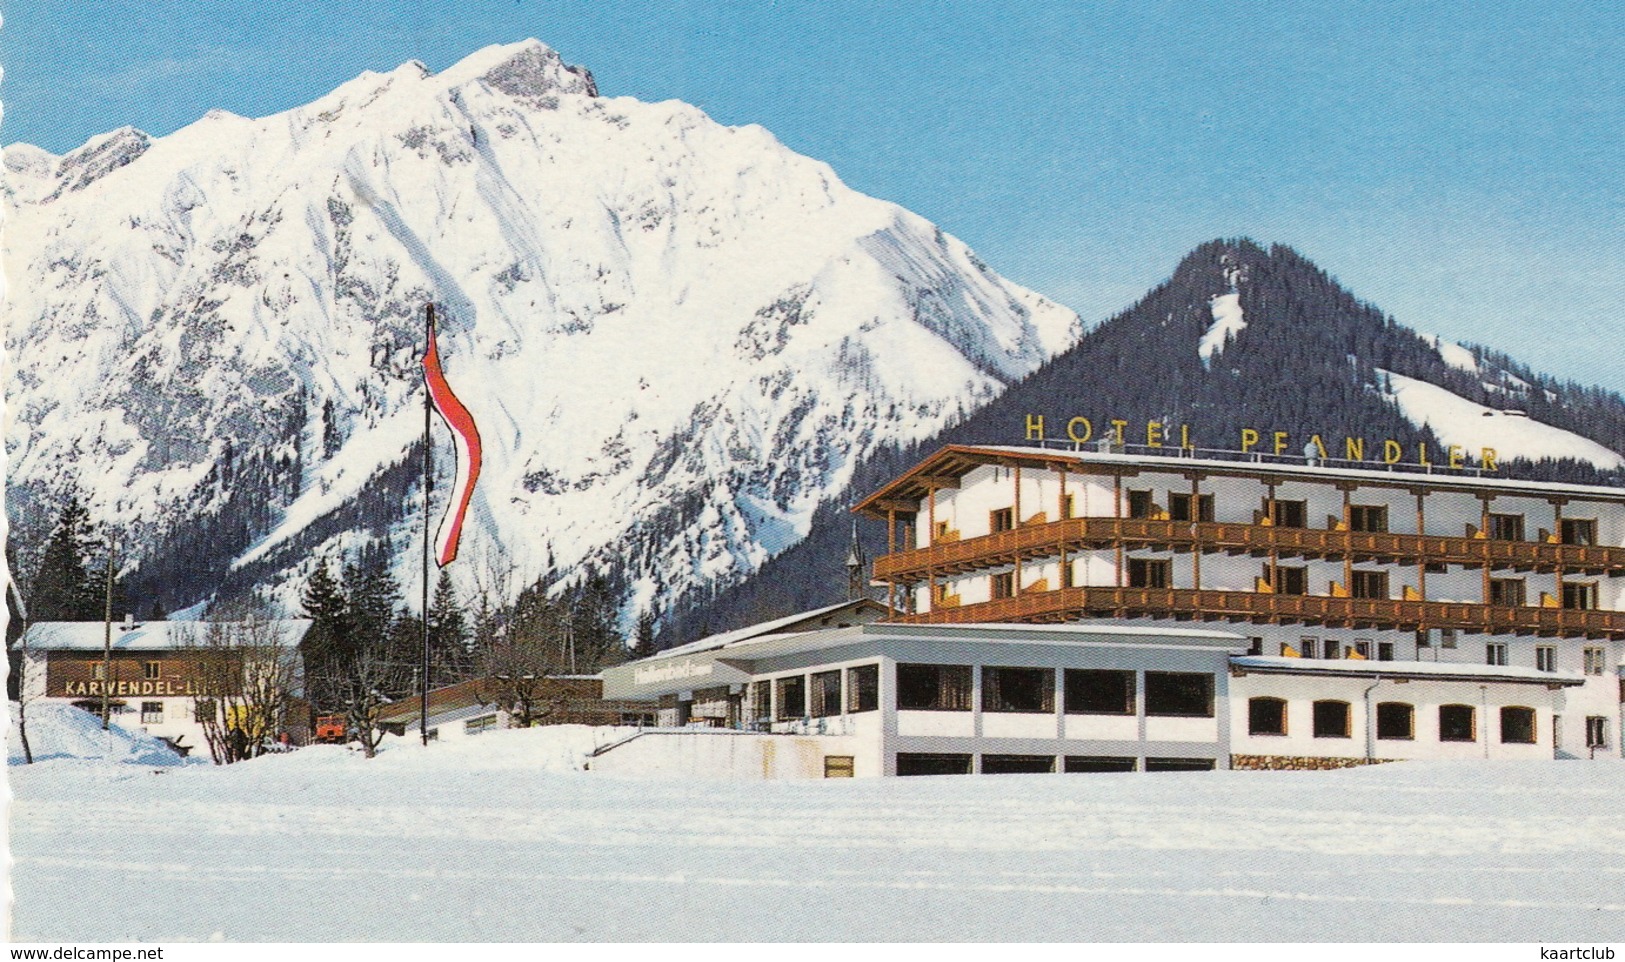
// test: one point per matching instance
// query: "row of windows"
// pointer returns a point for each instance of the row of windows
(150, 671)
(1396, 721)
(930, 763)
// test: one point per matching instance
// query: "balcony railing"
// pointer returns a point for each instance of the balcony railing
(1066, 604)
(1050, 539)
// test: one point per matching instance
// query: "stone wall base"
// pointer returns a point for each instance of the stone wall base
(1297, 763)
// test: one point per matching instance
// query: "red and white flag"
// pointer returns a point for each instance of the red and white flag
(467, 438)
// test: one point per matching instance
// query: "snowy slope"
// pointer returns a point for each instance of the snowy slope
(62, 732)
(1456, 420)
(676, 336)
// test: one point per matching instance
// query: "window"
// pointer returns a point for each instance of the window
(1596, 731)
(1291, 581)
(826, 694)
(1362, 647)
(1179, 507)
(1457, 723)
(1309, 646)
(1017, 764)
(792, 697)
(922, 763)
(1447, 637)
(1396, 721)
(761, 701)
(1288, 514)
(839, 766)
(1385, 651)
(940, 532)
(152, 712)
(1255, 645)
(1369, 584)
(1095, 692)
(1099, 763)
(1004, 585)
(933, 687)
(1517, 726)
(1179, 764)
(484, 723)
(149, 670)
(1179, 694)
(1368, 517)
(1266, 716)
(1506, 527)
(1003, 519)
(1595, 660)
(98, 671)
(1148, 573)
(1018, 690)
(1140, 504)
(203, 710)
(1495, 653)
(1545, 658)
(1331, 719)
(1508, 591)
(1329, 649)
(1579, 595)
(863, 688)
(1578, 531)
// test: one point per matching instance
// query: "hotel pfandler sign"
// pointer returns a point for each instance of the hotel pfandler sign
(1324, 447)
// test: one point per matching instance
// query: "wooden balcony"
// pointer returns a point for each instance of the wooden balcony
(1068, 604)
(1075, 534)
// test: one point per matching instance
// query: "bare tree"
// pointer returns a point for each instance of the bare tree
(361, 683)
(246, 677)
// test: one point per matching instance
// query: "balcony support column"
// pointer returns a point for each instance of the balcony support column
(1117, 530)
(1015, 521)
(1557, 570)
(1348, 527)
(1422, 553)
(1484, 500)
(1196, 536)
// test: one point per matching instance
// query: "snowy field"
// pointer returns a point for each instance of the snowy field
(500, 838)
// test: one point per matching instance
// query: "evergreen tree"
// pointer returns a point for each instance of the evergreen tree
(644, 636)
(451, 660)
(68, 585)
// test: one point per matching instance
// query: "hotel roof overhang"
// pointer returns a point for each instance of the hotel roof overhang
(1407, 670)
(948, 465)
(155, 636)
(735, 663)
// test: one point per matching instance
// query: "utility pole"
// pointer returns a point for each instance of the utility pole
(22, 668)
(107, 636)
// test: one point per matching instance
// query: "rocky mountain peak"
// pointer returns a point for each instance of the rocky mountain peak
(529, 68)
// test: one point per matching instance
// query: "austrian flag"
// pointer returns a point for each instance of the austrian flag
(467, 439)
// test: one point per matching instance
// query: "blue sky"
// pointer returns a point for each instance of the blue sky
(1459, 165)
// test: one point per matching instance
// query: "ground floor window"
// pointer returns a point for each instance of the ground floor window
(863, 688)
(1017, 764)
(1179, 693)
(1093, 692)
(1396, 721)
(1018, 690)
(1179, 764)
(1517, 725)
(838, 766)
(1266, 716)
(152, 712)
(792, 697)
(1457, 723)
(923, 763)
(826, 694)
(1331, 719)
(484, 723)
(1596, 731)
(933, 687)
(1100, 763)
(761, 702)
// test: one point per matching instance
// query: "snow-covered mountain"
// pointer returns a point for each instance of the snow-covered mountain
(676, 336)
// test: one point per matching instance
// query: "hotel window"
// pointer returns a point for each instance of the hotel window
(863, 688)
(1447, 637)
(826, 694)
(1596, 731)
(1578, 531)
(149, 670)
(1179, 507)
(1004, 585)
(1495, 653)
(1331, 719)
(1396, 721)
(1003, 519)
(1140, 504)
(1255, 645)
(1457, 723)
(1385, 651)
(1309, 646)
(933, 687)
(1595, 660)
(792, 697)
(1368, 517)
(839, 766)
(1330, 649)
(923, 763)
(1508, 591)
(1098, 692)
(1580, 595)
(1369, 584)
(1179, 764)
(1506, 527)
(98, 672)
(1290, 514)
(152, 712)
(1290, 581)
(1545, 658)
(1148, 573)
(484, 723)
(1017, 764)
(1362, 647)
(1099, 763)
(1179, 694)
(1266, 716)
(1517, 726)
(1018, 690)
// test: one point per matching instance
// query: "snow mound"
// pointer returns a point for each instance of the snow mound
(1227, 323)
(58, 731)
(549, 748)
(1453, 354)
(1457, 420)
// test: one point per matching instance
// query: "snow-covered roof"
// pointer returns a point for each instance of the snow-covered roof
(148, 636)
(776, 626)
(1432, 670)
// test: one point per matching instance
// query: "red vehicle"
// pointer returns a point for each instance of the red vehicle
(330, 729)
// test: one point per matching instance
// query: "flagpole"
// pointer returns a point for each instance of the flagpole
(428, 455)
